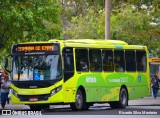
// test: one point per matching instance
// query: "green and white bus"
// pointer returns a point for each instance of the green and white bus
(78, 72)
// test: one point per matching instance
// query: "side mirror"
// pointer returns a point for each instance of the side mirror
(6, 63)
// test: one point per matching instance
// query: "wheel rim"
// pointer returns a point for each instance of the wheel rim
(79, 101)
(123, 97)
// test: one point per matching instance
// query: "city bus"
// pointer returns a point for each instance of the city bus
(79, 73)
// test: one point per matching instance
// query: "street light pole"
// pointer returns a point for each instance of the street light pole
(107, 19)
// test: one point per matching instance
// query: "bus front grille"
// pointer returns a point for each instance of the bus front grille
(34, 97)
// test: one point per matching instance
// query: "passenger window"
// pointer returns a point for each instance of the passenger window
(107, 56)
(130, 60)
(119, 61)
(81, 59)
(95, 60)
(141, 60)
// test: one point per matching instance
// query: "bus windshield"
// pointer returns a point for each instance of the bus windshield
(36, 68)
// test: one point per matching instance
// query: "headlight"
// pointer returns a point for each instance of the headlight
(14, 93)
(56, 90)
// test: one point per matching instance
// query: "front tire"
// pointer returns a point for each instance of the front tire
(80, 102)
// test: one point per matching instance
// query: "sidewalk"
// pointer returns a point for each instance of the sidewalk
(147, 101)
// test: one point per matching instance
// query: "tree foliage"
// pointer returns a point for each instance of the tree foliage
(136, 22)
(86, 26)
(28, 20)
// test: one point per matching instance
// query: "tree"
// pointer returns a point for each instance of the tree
(134, 27)
(130, 23)
(107, 18)
(28, 20)
(86, 26)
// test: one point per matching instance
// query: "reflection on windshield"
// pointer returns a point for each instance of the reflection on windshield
(39, 67)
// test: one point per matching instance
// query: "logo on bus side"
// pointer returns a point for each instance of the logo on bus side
(90, 79)
(139, 78)
(121, 79)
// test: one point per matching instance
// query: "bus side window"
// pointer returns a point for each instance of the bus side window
(141, 60)
(81, 59)
(107, 60)
(130, 61)
(95, 60)
(119, 64)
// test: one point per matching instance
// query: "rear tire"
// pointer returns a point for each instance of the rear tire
(123, 100)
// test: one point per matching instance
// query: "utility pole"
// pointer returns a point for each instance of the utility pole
(107, 19)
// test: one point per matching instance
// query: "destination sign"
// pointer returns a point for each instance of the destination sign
(33, 48)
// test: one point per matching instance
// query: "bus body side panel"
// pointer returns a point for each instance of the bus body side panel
(106, 87)
(69, 88)
(98, 87)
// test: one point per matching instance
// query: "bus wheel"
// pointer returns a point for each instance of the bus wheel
(123, 100)
(80, 101)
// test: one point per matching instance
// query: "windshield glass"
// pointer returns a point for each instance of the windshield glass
(39, 67)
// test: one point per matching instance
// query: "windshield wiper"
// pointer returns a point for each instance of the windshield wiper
(18, 74)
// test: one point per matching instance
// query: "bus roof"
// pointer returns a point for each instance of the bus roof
(92, 43)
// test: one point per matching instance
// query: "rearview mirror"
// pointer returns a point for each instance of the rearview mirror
(6, 63)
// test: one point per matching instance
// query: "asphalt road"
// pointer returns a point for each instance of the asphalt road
(104, 109)
(141, 107)
(96, 112)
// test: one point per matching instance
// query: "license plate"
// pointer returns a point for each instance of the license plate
(33, 99)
